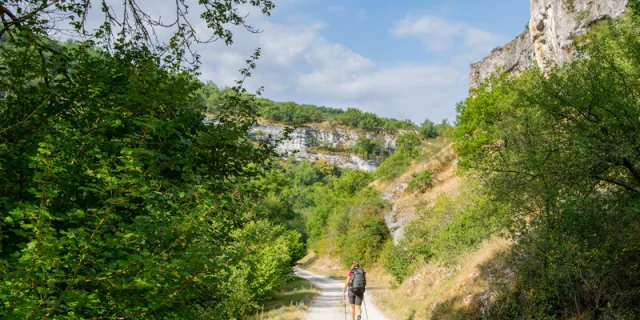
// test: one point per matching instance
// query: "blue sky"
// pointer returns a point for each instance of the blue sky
(400, 59)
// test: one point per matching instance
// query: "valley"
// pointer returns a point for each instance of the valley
(140, 180)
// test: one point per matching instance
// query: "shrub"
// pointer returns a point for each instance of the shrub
(394, 166)
(366, 231)
(368, 147)
(397, 260)
(351, 181)
(428, 129)
(421, 181)
(347, 219)
(409, 143)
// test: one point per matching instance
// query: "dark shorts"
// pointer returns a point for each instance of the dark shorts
(356, 296)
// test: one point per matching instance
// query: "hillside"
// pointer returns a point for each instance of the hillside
(344, 146)
(451, 283)
(347, 138)
(532, 211)
(121, 199)
(295, 114)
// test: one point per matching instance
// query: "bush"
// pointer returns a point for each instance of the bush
(409, 143)
(394, 166)
(347, 219)
(351, 181)
(266, 254)
(367, 147)
(408, 147)
(397, 260)
(428, 129)
(456, 225)
(365, 232)
(562, 148)
(422, 181)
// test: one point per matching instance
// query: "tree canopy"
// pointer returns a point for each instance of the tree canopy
(291, 113)
(562, 150)
(118, 200)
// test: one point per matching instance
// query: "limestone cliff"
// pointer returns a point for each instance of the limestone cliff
(552, 27)
(309, 142)
(514, 57)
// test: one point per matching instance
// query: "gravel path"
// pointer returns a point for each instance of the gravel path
(329, 305)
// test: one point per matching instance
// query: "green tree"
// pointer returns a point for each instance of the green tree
(409, 142)
(365, 146)
(562, 150)
(118, 200)
(428, 129)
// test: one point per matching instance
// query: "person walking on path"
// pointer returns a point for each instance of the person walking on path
(356, 282)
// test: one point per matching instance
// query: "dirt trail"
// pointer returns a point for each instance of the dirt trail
(329, 305)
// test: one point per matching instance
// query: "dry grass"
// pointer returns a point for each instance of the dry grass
(443, 161)
(291, 303)
(326, 266)
(436, 290)
(439, 291)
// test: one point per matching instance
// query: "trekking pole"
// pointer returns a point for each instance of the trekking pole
(365, 307)
(344, 302)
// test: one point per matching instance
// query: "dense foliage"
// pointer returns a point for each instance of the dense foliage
(396, 164)
(292, 113)
(346, 219)
(452, 226)
(117, 199)
(563, 150)
(370, 148)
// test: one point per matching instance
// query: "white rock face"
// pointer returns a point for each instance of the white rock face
(555, 23)
(552, 27)
(514, 57)
(302, 141)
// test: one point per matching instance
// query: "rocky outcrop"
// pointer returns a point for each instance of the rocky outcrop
(555, 23)
(514, 57)
(553, 26)
(306, 142)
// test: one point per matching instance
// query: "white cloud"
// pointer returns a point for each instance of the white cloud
(440, 35)
(299, 64)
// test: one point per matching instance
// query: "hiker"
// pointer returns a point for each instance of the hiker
(356, 281)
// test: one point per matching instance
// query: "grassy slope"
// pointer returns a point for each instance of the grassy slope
(440, 290)
(436, 290)
(291, 303)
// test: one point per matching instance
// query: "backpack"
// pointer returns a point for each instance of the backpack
(358, 279)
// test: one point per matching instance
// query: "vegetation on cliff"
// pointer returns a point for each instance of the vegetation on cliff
(562, 151)
(291, 113)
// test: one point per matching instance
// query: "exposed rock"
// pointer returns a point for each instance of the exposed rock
(304, 142)
(558, 22)
(395, 226)
(514, 57)
(552, 27)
